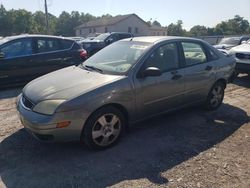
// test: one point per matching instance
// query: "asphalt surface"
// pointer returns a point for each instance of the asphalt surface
(186, 148)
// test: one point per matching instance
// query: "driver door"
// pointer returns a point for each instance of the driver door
(14, 63)
(158, 94)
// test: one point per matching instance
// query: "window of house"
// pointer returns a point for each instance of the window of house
(136, 30)
(106, 29)
(93, 30)
(194, 53)
(90, 30)
(129, 29)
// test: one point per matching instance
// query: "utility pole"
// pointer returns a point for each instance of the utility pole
(46, 16)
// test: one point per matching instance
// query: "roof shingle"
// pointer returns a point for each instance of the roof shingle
(105, 21)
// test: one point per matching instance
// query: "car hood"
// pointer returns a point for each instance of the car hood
(65, 84)
(241, 48)
(224, 46)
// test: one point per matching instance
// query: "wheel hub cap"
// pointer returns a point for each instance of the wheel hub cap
(106, 129)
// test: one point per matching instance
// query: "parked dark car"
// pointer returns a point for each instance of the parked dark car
(103, 40)
(25, 57)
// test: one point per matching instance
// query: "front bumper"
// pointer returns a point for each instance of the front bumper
(242, 67)
(44, 127)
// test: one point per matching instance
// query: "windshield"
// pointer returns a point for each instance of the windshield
(231, 41)
(117, 58)
(102, 36)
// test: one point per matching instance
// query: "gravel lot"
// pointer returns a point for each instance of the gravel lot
(188, 148)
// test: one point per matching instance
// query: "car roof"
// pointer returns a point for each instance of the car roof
(9, 38)
(157, 39)
(121, 33)
(118, 33)
(238, 37)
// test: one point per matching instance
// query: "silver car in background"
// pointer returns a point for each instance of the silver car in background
(126, 82)
(242, 55)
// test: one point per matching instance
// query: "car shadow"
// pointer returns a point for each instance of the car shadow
(10, 92)
(243, 80)
(151, 147)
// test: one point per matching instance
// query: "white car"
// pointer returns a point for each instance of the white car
(242, 56)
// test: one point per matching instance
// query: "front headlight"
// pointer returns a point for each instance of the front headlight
(47, 107)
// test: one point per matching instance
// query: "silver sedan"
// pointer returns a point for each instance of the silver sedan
(126, 82)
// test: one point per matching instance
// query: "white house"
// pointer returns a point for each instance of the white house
(123, 23)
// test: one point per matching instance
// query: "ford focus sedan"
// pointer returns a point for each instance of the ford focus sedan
(126, 82)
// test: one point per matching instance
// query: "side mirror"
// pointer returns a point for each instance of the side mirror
(151, 71)
(109, 41)
(2, 55)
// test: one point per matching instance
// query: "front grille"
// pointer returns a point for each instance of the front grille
(242, 56)
(27, 103)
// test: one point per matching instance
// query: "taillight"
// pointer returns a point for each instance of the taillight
(83, 54)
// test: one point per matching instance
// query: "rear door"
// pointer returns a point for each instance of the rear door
(158, 94)
(50, 55)
(199, 70)
(14, 66)
(70, 53)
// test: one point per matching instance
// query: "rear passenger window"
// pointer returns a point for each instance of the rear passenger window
(194, 53)
(66, 44)
(47, 45)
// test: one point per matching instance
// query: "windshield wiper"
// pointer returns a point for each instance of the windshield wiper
(93, 68)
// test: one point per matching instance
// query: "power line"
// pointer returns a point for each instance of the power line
(46, 16)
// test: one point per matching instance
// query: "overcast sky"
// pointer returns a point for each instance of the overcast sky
(191, 12)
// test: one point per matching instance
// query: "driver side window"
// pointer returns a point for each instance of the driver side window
(164, 58)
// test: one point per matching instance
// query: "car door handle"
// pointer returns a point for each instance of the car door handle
(176, 76)
(208, 68)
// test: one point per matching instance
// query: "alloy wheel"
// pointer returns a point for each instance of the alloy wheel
(106, 129)
(217, 96)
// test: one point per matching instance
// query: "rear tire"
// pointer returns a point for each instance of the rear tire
(215, 96)
(104, 128)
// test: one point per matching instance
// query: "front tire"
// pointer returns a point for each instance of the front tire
(104, 128)
(215, 96)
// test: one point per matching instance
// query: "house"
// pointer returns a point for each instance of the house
(158, 31)
(123, 23)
